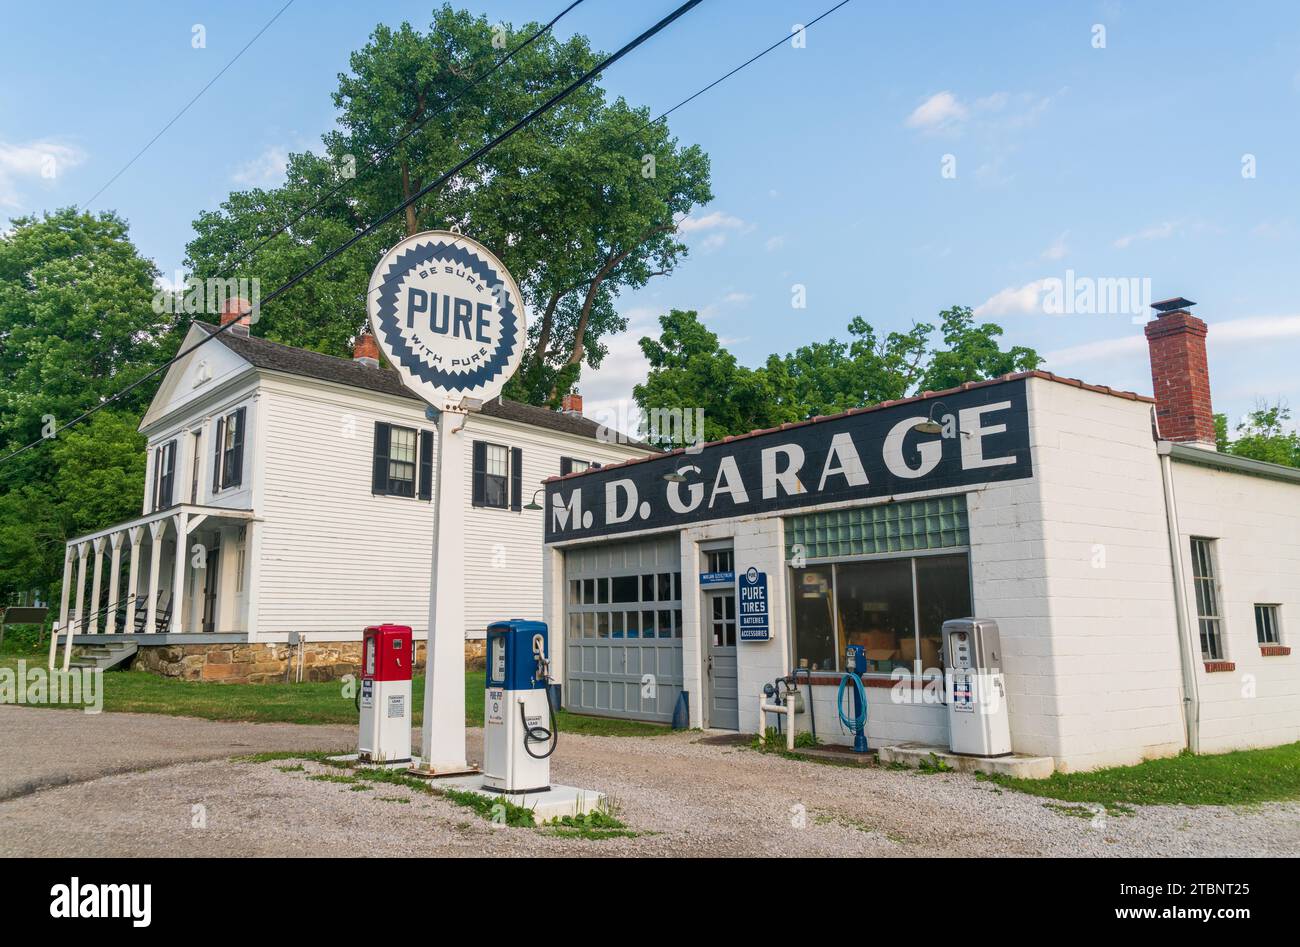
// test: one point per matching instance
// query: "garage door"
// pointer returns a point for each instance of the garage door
(623, 632)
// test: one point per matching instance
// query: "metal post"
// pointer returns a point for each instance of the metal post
(442, 737)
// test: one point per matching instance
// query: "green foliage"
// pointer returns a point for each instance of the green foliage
(689, 369)
(595, 825)
(76, 326)
(1264, 435)
(566, 204)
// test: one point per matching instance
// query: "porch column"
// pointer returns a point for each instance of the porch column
(82, 550)
(114, 581)
(133, 578)
(67, 587)
(178, 573)
(156, 530)
(97, 545)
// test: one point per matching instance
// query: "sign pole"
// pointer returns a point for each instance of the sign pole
(442, 736)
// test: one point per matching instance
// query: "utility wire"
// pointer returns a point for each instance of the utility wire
(186, 108)
(388, 153)
(532, 116)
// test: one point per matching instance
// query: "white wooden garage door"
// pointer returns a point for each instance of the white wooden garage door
(623, 629)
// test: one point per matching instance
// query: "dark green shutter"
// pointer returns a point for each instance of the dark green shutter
(479, 471)
(220, 428)
(566, 466)
(516, 479)
(426, 465)
(379, 470)
(235, 475)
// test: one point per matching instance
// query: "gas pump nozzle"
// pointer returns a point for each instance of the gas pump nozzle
(543, 663)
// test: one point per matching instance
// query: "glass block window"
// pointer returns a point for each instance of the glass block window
(936, 523)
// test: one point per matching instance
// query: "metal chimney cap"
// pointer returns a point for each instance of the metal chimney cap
(1172, 305)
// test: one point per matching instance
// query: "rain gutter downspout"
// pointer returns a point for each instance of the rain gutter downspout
(1191, 684)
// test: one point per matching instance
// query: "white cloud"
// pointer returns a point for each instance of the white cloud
(772, 244)
(43, 160)
(1227, 332)
(1014, 301)
(607, 391)
(737, 298)
(939, 111)
(1058, 249)
(717, 220)
(1160, 231)
(265, 170)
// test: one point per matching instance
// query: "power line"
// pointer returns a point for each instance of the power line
(186, 108)
(388, 153)
(528, 119)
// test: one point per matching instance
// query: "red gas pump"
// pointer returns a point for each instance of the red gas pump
(387, 654)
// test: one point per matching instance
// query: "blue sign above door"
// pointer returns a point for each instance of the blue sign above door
(717, 578)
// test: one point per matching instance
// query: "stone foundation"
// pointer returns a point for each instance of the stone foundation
(269, 663)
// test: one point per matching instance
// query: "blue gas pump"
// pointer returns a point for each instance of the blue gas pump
(855, 665)
(517, 743)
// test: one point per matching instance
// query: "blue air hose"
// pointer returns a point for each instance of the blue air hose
(856, 723)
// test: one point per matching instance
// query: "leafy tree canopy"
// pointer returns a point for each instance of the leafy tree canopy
(580, 206)
(689, 369)
(1263, 435)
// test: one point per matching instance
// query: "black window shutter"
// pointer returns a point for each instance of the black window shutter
(516, 479)
(426, 465)
(216, 460)
(157, 476)
(379, 469)
(479, 470)
(168, 483)
(566, 466)
(236, 473)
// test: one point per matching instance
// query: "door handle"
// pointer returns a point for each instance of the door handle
(709, 666)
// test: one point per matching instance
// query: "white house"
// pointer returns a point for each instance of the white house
(298, 486)
(1147, 587)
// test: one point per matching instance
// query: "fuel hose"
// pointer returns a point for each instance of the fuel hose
(540, 734)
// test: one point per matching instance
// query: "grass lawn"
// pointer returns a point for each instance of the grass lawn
(1239, 778)
(140, 692)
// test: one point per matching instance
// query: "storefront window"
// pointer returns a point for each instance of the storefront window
(814, 623)
(875, 610)
(894, 608)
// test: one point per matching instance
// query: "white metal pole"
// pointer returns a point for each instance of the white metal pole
(442, 737)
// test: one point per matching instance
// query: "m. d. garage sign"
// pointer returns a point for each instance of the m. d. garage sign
(869, 453)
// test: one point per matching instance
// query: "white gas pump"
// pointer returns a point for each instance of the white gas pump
(978, 722)
(517, 741)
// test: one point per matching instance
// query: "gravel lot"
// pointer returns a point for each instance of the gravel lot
(127, 784)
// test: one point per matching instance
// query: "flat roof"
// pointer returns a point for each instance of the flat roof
(923, 396)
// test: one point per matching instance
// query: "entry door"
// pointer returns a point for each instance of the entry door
(720, 659)
(210, 589)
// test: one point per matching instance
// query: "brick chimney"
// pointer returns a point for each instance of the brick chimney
(572, 404)
(366, 350)
(1180, 373)
(236, 309)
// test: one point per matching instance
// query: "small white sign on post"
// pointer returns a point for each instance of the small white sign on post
(449, 317)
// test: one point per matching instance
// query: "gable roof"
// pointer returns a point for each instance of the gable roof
(272, 356)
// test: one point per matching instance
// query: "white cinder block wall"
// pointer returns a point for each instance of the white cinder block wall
(1112, 693)
(1256, 523)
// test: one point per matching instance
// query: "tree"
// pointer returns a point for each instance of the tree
(77, 325)
(689, 370)
(579, 206)
(1263, 435)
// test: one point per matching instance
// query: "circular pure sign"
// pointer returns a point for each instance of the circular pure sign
(448, 317)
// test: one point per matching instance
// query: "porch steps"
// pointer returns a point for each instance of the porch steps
(105, 656)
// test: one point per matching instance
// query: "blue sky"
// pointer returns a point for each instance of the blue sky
(1117, 161)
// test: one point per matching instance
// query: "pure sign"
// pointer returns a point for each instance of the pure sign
(448, 316)
(871, 453)
(753, 606)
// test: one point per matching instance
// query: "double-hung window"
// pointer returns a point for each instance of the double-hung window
(1266, 624)
(228, 451)
(498, 476)
(164, 475)
(402, 462)
(1208, 613)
